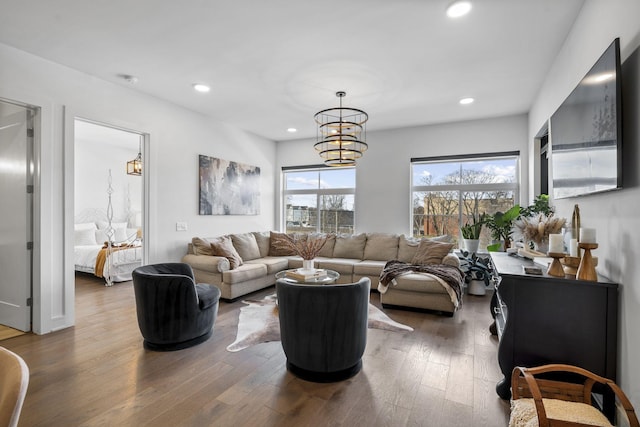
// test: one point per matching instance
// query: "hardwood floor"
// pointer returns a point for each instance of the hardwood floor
(7, 332)
(98, 374)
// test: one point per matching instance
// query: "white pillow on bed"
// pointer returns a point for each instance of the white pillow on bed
(102, 225)
(86, 237)
(119, 234)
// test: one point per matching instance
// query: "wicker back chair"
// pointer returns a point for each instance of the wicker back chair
(14, 380)
(557, 403)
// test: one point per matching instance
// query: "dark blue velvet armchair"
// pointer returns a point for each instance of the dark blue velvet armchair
(323, 328)
(173, 311)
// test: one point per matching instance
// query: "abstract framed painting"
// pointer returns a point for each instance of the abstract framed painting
(228, 188)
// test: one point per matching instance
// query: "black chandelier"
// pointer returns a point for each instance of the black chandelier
(134, 167)
(341, 134)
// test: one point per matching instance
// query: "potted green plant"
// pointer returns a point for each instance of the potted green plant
(477, 272)
(471, 232)
(501, 226)
(540, 205)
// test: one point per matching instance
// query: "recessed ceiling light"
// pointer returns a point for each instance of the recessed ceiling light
(466, 101)
(292, 130)
(201, 87)
(458, 9)
(129, 78)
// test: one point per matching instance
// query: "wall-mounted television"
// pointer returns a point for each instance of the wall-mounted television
(586, 132)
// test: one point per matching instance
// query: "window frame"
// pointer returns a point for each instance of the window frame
(319, 192)
(463, 188)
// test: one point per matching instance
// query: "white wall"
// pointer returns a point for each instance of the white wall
(177, 137)
(94, 159)
(383, 175)
(615, 215)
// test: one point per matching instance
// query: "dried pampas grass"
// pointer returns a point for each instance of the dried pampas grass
(308, 247)
(537, 228)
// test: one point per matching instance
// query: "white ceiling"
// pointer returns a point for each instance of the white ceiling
(273, 64)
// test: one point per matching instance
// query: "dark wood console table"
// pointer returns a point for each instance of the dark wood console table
(545, 319)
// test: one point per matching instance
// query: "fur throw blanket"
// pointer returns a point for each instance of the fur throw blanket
(449, 276)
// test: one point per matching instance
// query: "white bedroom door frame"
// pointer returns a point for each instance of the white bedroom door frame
(17, 134)
(69, 202)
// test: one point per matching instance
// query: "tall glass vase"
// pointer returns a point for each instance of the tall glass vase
(542, 246)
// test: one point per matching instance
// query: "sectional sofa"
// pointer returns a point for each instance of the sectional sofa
(353, 256)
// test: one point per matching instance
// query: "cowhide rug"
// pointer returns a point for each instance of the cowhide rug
(259, 323)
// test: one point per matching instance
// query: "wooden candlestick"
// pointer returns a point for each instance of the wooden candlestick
(587, 268)
(555, 268)
(570, 265)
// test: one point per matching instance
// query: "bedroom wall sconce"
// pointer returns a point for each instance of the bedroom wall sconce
(341, 134)
(134, 167)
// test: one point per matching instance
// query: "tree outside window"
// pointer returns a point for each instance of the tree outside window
(446, 194)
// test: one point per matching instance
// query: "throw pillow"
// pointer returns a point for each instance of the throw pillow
(86, 237)
(85, 226)
(119, 235)
(223, 246)
(431, 252)
(246, 246)
(408, 246)
(104, 224)
(201, 246)
(275, 248)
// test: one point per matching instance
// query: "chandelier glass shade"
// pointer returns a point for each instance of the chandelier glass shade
(134, 167)
(341, 134)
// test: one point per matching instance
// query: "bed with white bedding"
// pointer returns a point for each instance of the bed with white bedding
(117, 262)
(118, 265)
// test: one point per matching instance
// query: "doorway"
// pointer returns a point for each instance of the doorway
(109, 194)
(16, 228)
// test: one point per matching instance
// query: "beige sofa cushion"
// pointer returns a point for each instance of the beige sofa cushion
(223, 246)
(341, 265)
(263, 241)
(350, 246)
(407, 248)
(381, 246)
(327, 249)
(244, 272)
(246, 246)
(369, 267)
(273, 264)
(418, 282)
(201, 246)
(431, 252)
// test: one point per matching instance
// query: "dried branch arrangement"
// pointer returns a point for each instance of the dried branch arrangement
(537, 228)
(307, 247)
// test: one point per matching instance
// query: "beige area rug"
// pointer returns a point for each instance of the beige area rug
(7, 332)
(259, 323)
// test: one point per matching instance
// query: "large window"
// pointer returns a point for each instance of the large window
(319, 200)
(447, 191)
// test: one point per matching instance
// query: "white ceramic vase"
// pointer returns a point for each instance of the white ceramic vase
(307, 266)
(471, 245)
(477, 287)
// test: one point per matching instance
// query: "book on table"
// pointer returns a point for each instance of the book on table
(299, 274)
